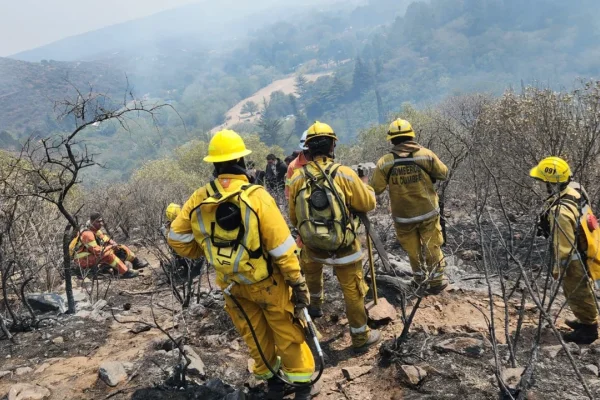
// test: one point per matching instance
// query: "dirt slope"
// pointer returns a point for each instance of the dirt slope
(286, 85)
(69, 367)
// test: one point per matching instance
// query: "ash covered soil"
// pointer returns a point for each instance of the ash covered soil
(448, 354)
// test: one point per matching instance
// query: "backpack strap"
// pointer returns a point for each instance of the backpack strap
(332, 169)
(212, 187)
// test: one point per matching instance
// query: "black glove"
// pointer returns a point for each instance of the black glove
(300, 296)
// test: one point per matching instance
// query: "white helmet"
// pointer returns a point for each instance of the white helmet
(303, 141)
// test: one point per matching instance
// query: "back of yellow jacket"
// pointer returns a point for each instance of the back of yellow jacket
(276, 239)
(409, 172)
(359, 198)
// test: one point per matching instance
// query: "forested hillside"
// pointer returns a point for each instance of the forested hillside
(377, 56)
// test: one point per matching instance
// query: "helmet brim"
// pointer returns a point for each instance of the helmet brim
(227, 157)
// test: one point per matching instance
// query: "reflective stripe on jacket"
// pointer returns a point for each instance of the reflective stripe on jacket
(185, 236)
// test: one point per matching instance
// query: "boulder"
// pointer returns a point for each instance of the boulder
(352, 373)
(466, 346)
(26, 391)
(112, 372)
(45, 302)
(411, 374)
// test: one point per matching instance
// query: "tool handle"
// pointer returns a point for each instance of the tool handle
(372, 267)
(313, 333)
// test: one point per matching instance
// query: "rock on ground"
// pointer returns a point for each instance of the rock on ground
(45, 302)
(139, 328)
(26, 391)
(466, 346)
(411, 374)
(351, 373)
(512, 377)
(58, 340)
(590, 369)
(551, 351)
(112, 372)
(196, 366)
(23, 370)
(382, 312)
(5, 373)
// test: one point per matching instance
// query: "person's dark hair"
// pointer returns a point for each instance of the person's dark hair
(231, 167)
(320, 146)
(289, 159)
(271, 157)
(296, 153)
(95, 216)
(401, 139)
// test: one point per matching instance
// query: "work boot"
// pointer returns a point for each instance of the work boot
(139, 263)
(574, 323)
(303, 393)
(315, 311)
(276, 389)
(437, 289)
(374, 338)
(585, 334)
(130, 274)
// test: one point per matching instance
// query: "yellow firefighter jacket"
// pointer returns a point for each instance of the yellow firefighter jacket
(269, 231)
(562, 221)
(358, 196)
(410, 171)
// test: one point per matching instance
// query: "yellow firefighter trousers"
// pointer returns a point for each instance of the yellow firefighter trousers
(578, 292)
(354, 290)
(424, 237)
(270, 310)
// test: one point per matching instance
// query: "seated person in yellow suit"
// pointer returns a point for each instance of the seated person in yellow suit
(92, 247)
(238, 227)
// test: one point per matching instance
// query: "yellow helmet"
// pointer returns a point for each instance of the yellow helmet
(551, 170)
(226, 145)
(400, 128)
(319, 129)
(173, 211)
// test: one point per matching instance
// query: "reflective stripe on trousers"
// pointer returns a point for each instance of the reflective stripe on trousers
(419, 218)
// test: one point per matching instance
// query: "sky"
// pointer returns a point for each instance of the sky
(26, 24)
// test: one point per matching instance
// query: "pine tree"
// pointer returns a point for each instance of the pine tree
(270, 126)
(362, 80)
(301, 86)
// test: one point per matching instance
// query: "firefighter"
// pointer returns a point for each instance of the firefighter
(238, 227)
(323, 194)
(409, 172)
(560, 221)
